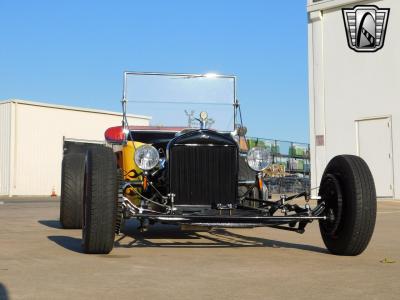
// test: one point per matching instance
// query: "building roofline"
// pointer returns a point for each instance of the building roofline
(74, 108)
(329, 4)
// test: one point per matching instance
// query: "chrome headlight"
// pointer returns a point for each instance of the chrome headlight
(146, 157)
(259, 158)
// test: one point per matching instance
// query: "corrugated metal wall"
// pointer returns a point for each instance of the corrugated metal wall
(38, 148)
(5, 140)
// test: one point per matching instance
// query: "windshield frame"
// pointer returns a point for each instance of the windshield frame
(124, 100)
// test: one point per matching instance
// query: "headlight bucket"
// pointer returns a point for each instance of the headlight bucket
(259, 158)
(146, 157)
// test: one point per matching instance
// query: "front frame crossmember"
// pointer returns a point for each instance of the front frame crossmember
(239, 219)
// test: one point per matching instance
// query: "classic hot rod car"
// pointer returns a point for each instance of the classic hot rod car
(200, 173)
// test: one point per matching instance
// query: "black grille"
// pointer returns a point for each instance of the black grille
(203, 175)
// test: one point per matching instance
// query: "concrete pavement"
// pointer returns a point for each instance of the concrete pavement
(38, 260)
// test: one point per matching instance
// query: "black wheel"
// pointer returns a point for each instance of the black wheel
(72, 179)
(348, 190)
(100, 200)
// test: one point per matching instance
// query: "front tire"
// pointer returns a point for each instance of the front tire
(100, 201)
(348, 190)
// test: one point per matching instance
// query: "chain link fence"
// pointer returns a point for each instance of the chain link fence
(290, 169)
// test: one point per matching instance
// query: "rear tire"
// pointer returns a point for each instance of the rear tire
(348, 189)
(71, 202)
(100, 200)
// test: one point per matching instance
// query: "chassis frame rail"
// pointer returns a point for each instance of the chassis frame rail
(237, 220)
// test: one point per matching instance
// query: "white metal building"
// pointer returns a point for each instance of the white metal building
(354, 97)
(31, 142)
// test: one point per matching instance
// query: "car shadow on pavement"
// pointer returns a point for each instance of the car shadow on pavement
(172, 237)
(3, 292)
(51, 223)
(67, 242)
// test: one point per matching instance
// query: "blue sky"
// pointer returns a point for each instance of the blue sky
(74, 52)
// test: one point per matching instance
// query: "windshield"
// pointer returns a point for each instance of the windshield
(177, 99)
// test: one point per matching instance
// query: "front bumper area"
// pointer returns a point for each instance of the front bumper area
(239, 219)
